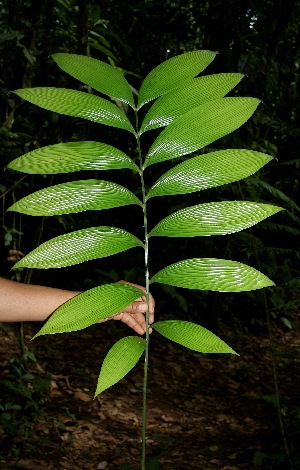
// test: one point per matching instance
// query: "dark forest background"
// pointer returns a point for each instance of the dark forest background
(260, 39)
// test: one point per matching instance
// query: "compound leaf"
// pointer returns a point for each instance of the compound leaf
(77, 103)
(120, 359)
(79, 246)
(181, 100)
(213, 218)
(209, 170)
(97, 74)
(173, 73)
(75, 196)
(72, 156)
(212, 274)
(192, 336)
(200, 127)
(90, 307)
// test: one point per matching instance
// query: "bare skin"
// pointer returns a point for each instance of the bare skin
(26, 302)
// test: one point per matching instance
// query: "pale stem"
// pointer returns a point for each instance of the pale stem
(144, 409)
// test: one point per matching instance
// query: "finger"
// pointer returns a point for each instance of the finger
(139, 308)
(151, 299)
(136, 307)
(136, 322)
(131, 321)
(151, 303)
(138, 317)
(151, 318)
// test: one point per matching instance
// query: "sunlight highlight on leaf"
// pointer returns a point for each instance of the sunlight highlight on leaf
(75, 196)
(72, 156)
(181, 100)
(212, 274)
(173, 73)
(192, 336)
(208, 171)
(213, 218)
(78, 104)
(200, 127)
(79, 246)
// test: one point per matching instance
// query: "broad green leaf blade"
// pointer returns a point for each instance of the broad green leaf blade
(90, 307)
(173, 73)
(192, 336)
(120, 359)
(79, 246)
(212, 274)
(172, 105)
(75, 196)
(97, 74)
(77, 103)
(208, 171)
(200, 127)
(72, 156)
(213, 218)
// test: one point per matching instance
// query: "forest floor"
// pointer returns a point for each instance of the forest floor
(206, 412)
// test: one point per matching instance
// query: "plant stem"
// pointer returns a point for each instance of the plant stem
(144, 409)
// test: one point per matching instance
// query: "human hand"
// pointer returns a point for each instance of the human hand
(134, 314)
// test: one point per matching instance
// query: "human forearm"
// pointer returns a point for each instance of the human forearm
(24, 302)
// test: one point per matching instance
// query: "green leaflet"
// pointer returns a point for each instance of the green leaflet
(90, 307)
(75, 196)
(79, 246)
(200, 127)
(209, 170)
(181, 100)
(120, 359)
(192, 336)
(173, 73)
(212, 274)
(77, 103)
(72, 156)
(213, 218)
(97, 74)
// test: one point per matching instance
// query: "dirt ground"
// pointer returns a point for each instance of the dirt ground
(207, 412)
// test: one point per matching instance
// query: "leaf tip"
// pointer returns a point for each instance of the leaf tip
(234, 353)
(97, 392)
(39, 333)
(18, 92)
(17, 265)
